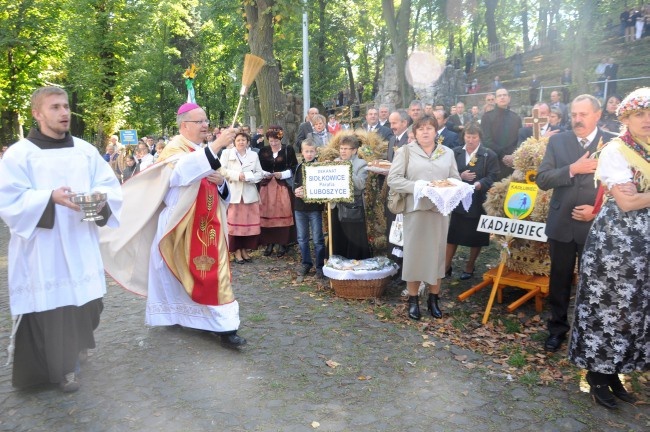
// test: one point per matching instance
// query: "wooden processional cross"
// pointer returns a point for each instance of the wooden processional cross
(536, 122)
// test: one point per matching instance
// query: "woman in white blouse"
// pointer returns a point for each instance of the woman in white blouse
(241, 167)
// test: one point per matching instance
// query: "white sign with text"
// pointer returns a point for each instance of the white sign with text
(512, 227)
(327, 182)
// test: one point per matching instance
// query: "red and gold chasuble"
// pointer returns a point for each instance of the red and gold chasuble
(195, 249)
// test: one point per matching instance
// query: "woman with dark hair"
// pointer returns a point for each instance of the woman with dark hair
(608, 119)
(349, 235)
(276, 213)
(241, 167)
(479, 167)
(425, 228)
(611, 327)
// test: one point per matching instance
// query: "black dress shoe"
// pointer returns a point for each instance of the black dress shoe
(269, 250)
(600, 393)
(414, 308)
(448, 272)
(432, 304)
(233, 341)
(282, 250)
(553, 343)
(620, 392)
(466, 275)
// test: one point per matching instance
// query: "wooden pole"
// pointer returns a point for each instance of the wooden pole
(495, 287)
(329, 228)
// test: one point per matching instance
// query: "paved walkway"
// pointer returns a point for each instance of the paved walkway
(174, 379)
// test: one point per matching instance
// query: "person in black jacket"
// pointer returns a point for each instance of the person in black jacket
(308, 214)
(478, 166)
(501, 131)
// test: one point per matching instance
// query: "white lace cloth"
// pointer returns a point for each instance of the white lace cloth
(354, 270)
(444, 198)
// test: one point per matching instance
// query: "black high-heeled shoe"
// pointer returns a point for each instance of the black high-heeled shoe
(432, 304)
(619, 390)
(269, 249)
(599, 391)
(414, 308)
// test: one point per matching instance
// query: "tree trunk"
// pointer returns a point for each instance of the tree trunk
(542, 26)
(490, 9)
(524, 24)
(260, 39)
(348, 67)
(581, 39)
(398, 30)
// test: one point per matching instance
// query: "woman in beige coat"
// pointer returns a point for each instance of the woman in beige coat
(241, 167)
(425, 228)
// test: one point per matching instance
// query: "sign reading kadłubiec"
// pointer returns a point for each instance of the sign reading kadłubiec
(519, 203)
(328, 181)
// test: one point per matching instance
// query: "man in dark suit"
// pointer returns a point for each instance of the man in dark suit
(556, 102)
(501, 131)
(567, 169)
(305, 128)
(372, 124)
(399, 123)
(456, 122)
(449, 138)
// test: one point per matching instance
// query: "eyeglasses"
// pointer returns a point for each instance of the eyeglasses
(206, 121)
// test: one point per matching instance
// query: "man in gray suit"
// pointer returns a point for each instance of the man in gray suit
(399, 122)
(568, 169)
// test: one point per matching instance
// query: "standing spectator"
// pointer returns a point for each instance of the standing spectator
(568, 169)
(415, 110)
(56, 276)
(490, 103)
(500, 132)
(384, 112)
(333, 126)
(475, 114)
(556, 103)
(276, 214)
(446, 137)
(611, 74)
(623, 18)
(399, 125)
(143, 158)
(309, 217)
(609, 120)
(496, 84)
(469, 62)
(320, 136)
(241, 167)
(129, 169)
(610, 332)
(257, 140)
(425, 228)
(533, 89)
(457, 121)
(349, 234)
(372, 124)
(304, 128)
(630, 24)
(479, 167)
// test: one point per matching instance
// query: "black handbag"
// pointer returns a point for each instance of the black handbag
(351, 212)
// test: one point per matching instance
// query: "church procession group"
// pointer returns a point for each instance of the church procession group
(183, 216)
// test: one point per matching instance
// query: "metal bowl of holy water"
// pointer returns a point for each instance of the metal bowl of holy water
(91, 204)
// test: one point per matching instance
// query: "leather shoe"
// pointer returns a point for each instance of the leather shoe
(233, 341)
(620, 392)
(466, 275)
(553, 343)
(269, 249)
(601, 394)
(448, 272)
(432, 304)
(414, 308)
(282, 250)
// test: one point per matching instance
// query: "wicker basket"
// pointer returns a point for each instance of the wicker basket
(359, 289)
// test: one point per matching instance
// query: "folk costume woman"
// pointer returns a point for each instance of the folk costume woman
(611, 328)
(276, 214)
(241, 167)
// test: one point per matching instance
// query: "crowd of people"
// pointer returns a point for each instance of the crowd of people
(229, 193)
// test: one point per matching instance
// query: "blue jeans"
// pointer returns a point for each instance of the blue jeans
(303, 220)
